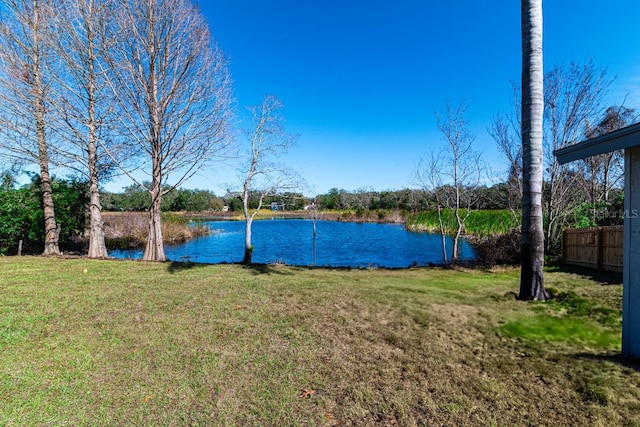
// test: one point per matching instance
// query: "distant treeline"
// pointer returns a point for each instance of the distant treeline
(408, 200)
(21, 215)
(133, 198)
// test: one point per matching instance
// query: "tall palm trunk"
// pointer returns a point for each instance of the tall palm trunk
(532, 242)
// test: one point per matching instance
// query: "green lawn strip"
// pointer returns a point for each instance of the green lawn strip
(546, 328)
(130, 343)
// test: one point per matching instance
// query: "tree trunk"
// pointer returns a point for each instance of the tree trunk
(533, 287)
(51, 231)
(248, 248)
(444, 236)
(456, 239)
(314, 250)
(605, 176)
(155, 246)
(97, 247)
(532, 241)
(154, 251)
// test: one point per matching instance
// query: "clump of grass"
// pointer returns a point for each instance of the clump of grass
(124, 230)
(578, 306)
(365, 215)
(176, 228)
(596, 389)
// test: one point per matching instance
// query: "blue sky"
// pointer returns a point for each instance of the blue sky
(361, 80)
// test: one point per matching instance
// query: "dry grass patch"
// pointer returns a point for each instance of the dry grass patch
(130, 229)
(132, 343)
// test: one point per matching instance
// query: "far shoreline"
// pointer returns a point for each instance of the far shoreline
(383, 216)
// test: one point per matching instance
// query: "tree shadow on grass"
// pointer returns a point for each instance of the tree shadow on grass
(616, 358)
(258, 269)
(600, 276)
(177, 266)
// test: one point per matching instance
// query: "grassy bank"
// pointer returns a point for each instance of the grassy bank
(480, 223)
(107, 343)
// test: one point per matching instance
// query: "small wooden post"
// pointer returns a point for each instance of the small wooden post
(20, 248)
(565, 240)
(598, 248)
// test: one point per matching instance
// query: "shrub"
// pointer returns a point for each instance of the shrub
(497, 249)
(22, 218)
(130, 229)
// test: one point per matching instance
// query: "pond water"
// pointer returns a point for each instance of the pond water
(290, 241)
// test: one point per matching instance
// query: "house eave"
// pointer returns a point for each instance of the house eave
(617, 140)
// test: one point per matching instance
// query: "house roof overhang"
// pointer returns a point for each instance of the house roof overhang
(619, 139)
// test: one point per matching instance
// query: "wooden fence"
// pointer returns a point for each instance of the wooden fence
(597, 247)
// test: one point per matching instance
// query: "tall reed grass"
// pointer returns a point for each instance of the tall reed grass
(130, 229)
(480, 223)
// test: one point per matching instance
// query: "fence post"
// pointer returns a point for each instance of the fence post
(565, 234)
(598, 246)
(20, 248)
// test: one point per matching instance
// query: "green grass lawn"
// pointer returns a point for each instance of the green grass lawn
(106, 343)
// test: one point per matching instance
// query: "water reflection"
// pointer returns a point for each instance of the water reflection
(334, 244)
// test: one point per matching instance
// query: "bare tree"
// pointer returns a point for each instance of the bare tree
(315, 214)
(174, 93)
(8, 174)
(532, 239)
(83, 103)
(428, 176)
(604, 171)
(573, 98)
(24, 96)
(453, 173)
(505, 130)
(262, 174)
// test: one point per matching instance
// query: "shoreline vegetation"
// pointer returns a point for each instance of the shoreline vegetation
(127, 230)
(97, 342)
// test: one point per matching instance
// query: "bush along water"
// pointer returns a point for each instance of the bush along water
(126, 230)
(493, 234)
